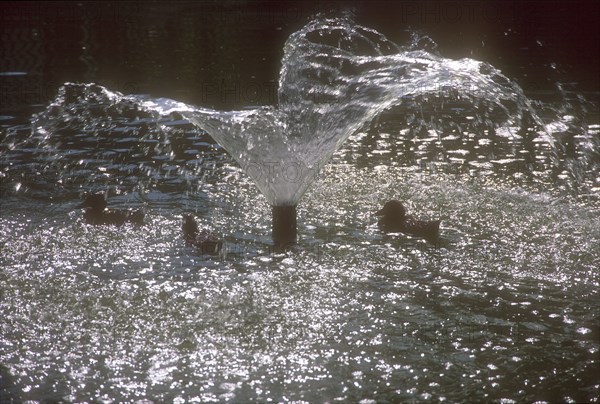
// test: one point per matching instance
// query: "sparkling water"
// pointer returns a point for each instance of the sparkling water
(503, 309)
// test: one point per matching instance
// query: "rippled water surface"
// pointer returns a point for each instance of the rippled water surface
(504, 308)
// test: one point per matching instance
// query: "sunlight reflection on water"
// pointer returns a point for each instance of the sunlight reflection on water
(131, 312)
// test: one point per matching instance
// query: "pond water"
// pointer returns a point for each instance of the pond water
(505, 308)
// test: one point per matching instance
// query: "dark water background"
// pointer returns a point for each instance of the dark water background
(506, 310)
(227, 55)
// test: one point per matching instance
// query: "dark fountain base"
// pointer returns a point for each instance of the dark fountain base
(284, 225)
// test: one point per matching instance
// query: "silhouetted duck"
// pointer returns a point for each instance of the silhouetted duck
(207, 242)
(96, 212)
(394, 219)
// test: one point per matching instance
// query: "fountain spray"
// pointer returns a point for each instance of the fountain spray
(336, 76)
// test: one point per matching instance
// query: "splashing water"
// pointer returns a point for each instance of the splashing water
(336, 77)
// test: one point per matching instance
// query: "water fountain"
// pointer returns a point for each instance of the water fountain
(336, 76)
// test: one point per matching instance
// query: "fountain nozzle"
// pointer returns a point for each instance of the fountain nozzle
(284, 225)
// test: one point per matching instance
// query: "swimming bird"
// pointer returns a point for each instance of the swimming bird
(97, 213)
(394, 219)
(207, 242)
